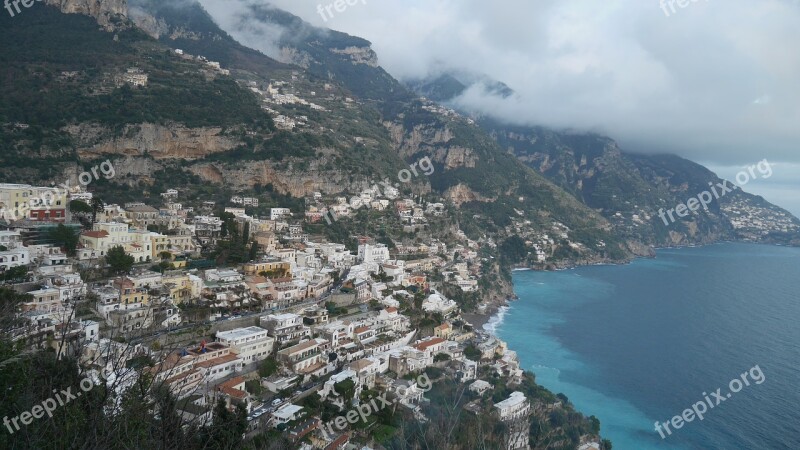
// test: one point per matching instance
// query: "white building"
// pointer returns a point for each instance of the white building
(480, 387)
(279, 213)
(251, 344)
(286, 414)
(377, 254)
(13, 258)
(514, 407)
(515, 411)
(285, 327)
(438, 303)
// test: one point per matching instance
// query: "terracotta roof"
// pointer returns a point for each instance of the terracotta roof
(231, 392)
(233, 382)
(391, 309)
(339, 442)
(142, 208)
(217, 361)
(255, 280)
(96, 234)
(299, 347)
(181, 376)
(422, 346)
(172, 360)
(360, 330)
(312, 368)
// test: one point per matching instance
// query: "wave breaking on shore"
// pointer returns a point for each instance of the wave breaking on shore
(496, 320)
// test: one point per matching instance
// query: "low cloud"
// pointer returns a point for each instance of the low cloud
(715, 81)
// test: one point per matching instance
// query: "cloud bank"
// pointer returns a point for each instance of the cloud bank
(716, 81)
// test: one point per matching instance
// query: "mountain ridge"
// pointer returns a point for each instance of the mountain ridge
(598, 172)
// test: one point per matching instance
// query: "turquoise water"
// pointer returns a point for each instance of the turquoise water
(641, 343)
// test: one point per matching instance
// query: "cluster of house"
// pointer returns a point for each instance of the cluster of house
(316, 354)
(412, 213)
(213, 65)
(544, 243)
(445, 112)
(295, 282)
(281, 93)
(54, 287)
(754, 222)
(134, 76)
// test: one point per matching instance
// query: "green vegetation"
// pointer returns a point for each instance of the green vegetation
(472, 353)
(43, 44)
(119, 261)
(275, 147)
(176, 90)
(79, 207)
(148, 417)
(268, 367)
(65, 237)
(440, 357)
(347, 389)
(236, 247)
(15, 274)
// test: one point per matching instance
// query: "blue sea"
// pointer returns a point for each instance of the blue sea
(643, 342)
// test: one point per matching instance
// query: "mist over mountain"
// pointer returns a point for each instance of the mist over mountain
(295, 221)
(710, 82)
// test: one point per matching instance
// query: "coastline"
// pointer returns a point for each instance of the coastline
(623, 417)
(486, 322)
(496, 309)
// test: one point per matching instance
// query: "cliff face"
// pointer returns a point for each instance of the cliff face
(288, 178)
(157, 141)
(417, 139)
(358, 55)
(155, 28)
(106, 12)
(436, 141)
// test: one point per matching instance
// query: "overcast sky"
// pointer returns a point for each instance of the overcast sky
(717, 82)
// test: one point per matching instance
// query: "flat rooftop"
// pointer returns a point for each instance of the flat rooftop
(240, 333)
(286, 316)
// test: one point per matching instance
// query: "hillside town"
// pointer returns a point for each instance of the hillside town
(302, 335)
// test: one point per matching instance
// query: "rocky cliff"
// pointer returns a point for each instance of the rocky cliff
(108, 13)
(157, 141)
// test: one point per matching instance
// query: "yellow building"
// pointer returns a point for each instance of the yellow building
(179, 286)
(176, 244)
(39, 204)
(129, 293)
(281, 269)
(182, 287)
(105, 236)
(443, 331)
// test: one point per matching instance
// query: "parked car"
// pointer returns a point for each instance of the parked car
(277, 402)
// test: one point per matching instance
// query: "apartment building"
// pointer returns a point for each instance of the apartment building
(251, 344)
(38, 204)
(285, 327)
(216, 359)
(377, 254)
(515, 412)
(305, 357)
(107, 235)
